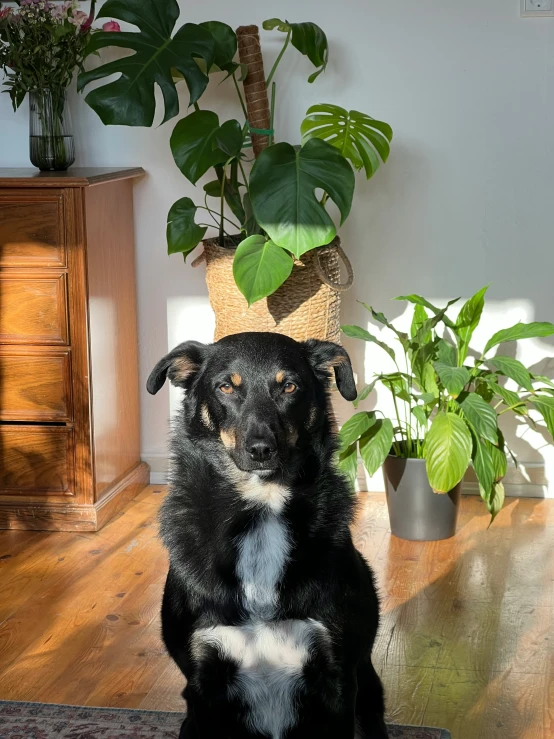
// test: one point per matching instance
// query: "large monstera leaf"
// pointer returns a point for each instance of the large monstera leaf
(283, 186)
(199, 143)
(308, 38)
(130, 100)
(183, 233)
(360, 138)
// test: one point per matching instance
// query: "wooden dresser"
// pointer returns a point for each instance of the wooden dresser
(69, 396)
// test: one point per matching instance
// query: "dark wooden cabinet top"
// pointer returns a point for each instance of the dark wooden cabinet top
(74, 177)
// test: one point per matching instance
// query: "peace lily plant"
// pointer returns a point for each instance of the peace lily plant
(447, 403)
(275, 213)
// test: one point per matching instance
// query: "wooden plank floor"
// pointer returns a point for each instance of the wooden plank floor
(466, 643)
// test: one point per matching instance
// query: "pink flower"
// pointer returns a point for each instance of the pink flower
(78, 18)
(60, 11)
(111, 27)
(5, 13)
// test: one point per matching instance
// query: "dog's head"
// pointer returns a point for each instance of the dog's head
(260, 395)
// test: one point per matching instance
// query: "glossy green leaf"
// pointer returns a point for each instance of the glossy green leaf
(183, 234)
(483, 466)
(198, 143)
(260, 267)
(355, 427)
(402, 337)
(420, 414)
(514, 369)
(454, 379)
(418, 300)
(375, 444)
(130, 99)
(481, 416)
(543, 379)
(520, 331)
(448, 447)
(225, 45)
(364, 141)
(510, 398)
(307, 38)
(250, 225)
(446, 353)
(468, 320)
(498, 456)
(348, 463)
(419, 318)
(493, 500)
(363, 394)
(545, 406)
(283, 187)
(357, 332)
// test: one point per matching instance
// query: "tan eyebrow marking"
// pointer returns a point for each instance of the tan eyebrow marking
(280, 376)
(228, 437)
(236, 379)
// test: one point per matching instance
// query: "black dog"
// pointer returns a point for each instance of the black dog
(268, 610)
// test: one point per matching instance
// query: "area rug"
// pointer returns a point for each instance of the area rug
(51, 721)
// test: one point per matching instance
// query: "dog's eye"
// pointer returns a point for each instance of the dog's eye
(226, 388)
(289, 387)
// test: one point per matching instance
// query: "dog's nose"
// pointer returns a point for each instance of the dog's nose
(261, 450)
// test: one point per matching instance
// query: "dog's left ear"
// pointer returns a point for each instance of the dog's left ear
(180, 365)
(324, 355)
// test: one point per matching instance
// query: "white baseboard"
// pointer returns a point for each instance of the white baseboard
(528, 481)
(159, 464)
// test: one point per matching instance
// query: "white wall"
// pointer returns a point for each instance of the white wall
(466, 199)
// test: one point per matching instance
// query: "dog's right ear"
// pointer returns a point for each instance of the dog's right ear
(180, 365)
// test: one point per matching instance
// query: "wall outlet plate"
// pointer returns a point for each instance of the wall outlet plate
(537, 8)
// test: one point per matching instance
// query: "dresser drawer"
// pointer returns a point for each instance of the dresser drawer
(36, 460)
(31, 232)
(33, 308)
(34, 385)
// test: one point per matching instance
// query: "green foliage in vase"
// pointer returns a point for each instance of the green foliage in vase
(277, 203)
(447, 403)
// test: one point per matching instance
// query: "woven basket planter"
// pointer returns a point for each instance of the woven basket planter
(306, 306)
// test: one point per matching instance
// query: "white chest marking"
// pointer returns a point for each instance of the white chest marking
(270, 659)
(262, 555)
(264, 550)
(253, 489)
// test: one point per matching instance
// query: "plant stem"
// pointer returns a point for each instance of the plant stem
(241, 99)
(244, 176)
(196, 106)
(323, 200)
(211, 212)
(391, 388)
(274, 67)
(272, 113)
(222, 211)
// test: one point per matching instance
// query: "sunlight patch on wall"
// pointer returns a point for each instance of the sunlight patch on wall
(189, 318)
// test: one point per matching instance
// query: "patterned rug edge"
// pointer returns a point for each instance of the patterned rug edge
(170, 715)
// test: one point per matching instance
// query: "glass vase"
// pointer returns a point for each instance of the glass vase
(50, 131)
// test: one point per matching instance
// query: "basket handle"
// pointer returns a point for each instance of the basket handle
(339, 286)
(199, 259)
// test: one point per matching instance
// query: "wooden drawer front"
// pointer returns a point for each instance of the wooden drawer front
(31, 233)
(35, 387)
(36, 460)
(33, 309)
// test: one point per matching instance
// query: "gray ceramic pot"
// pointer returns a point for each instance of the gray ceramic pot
(416, 512)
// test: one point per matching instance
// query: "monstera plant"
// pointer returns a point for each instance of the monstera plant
(447, 403)
(273, 209)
